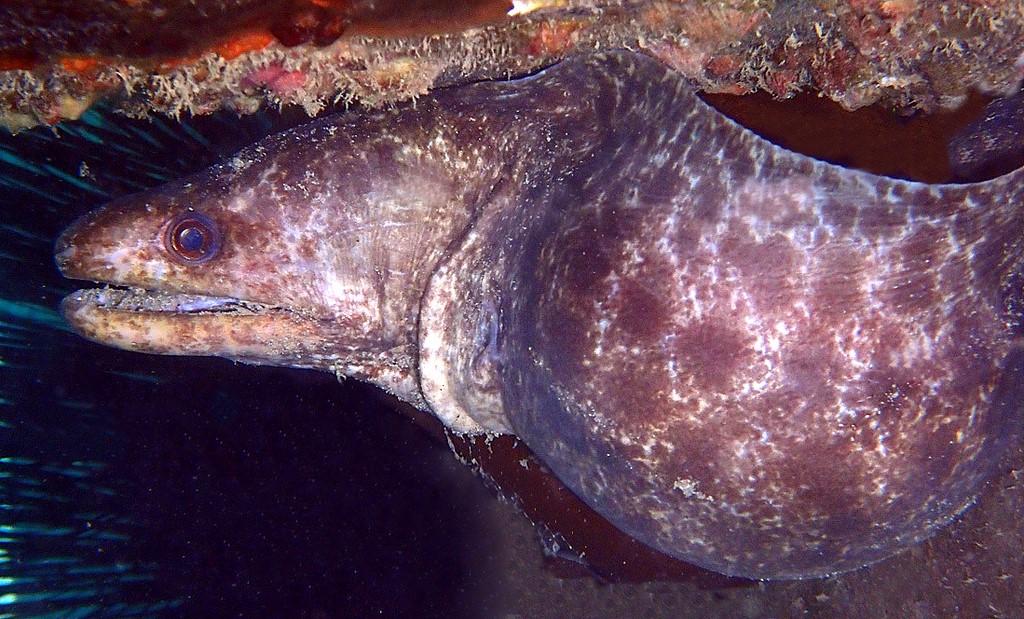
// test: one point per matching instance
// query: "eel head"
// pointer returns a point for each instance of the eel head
(189, 272)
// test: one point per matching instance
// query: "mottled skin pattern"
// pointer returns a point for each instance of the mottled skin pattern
(762, 364)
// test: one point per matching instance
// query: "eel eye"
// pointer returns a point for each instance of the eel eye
(193, 238)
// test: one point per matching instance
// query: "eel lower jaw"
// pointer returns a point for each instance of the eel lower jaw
(187, 324)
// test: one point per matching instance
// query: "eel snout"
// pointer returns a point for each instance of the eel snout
(141, 305)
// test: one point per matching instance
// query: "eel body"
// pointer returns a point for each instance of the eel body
(763, 364)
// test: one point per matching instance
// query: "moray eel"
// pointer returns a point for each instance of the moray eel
(756, 362)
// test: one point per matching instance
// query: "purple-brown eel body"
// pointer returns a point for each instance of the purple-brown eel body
(763, 364)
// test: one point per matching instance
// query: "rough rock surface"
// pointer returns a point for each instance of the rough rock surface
(911, 54)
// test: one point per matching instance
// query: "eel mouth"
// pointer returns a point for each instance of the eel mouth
(131, 308)
(169, 323)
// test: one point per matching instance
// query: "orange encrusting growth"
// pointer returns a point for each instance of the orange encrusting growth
(15, 63)
(79, 64)
(244, 42)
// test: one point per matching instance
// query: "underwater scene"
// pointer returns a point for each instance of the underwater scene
(139, 485)
(144, 486)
